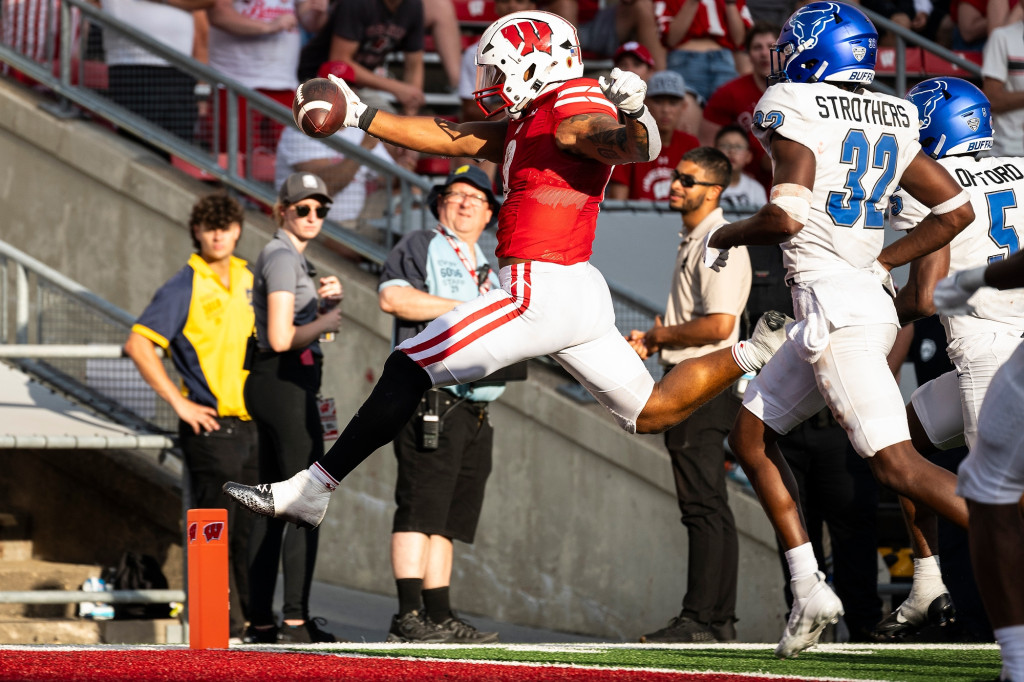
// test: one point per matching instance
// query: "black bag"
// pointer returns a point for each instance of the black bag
(138, 572)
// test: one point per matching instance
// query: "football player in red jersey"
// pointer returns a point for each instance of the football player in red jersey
(555, 150)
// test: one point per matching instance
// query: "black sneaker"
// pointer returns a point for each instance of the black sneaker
(255, 635)
(307, 633)
(681, 629)
(413, 627)
(900, 623)
(724, 631)
(461, 632)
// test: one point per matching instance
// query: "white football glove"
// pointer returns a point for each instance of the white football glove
(884, 276)
(626, 90)
(951, 294)
(355, 108)
(714, 258)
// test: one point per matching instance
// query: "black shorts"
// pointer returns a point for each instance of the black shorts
(441, 492)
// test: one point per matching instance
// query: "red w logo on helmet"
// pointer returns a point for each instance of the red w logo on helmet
(527, 36)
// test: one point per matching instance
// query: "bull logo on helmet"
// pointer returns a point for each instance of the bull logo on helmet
(528, 36)
(811, 22)
(926, 99)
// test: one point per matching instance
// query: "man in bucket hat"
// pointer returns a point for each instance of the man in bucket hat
(444, 451)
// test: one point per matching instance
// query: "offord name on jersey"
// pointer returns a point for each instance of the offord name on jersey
(1000, 175)
(862, 110)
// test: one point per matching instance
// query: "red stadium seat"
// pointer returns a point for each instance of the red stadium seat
(432, 165)
(475, 13)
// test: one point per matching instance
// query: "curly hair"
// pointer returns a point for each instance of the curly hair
(216, 211)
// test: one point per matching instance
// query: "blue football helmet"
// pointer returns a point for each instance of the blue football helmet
(825, 41)
(956, 117)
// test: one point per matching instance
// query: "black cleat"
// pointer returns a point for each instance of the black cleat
(900, 623)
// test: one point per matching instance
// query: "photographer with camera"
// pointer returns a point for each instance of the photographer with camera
(444, 451)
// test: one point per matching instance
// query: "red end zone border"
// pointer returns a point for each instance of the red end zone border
(31, 664)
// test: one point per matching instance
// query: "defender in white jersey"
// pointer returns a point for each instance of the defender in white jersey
(838, 153)
(955, 127)
(992, 476)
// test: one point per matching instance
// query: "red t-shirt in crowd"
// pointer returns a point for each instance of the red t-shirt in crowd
(734, 102)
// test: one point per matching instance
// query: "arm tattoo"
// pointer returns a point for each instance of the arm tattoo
(610, 140)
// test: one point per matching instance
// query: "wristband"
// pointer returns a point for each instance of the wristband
(637, 114)
(366, 118)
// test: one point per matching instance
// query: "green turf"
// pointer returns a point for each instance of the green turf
(837, 661)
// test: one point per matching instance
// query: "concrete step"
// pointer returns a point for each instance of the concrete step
(32, 574)
(86, 631)
(15, 536)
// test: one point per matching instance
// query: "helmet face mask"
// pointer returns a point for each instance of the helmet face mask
(956, 117)
(522, 55)
(825, 41)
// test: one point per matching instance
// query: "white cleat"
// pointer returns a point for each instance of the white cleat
(301, 499)
(768, 336)
(815, 605)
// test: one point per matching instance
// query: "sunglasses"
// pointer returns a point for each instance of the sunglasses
(302, 210)
(687, 180)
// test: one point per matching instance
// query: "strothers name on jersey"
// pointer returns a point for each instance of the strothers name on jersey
(863, 142)
(553, 198)
(996, 186)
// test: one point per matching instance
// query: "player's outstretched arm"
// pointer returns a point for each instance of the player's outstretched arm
(928, 182)
(425, 134)
(476, 139)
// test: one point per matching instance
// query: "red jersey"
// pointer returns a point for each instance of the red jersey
(734, 102)
(552, 200)
(653, 179)
(709, 22)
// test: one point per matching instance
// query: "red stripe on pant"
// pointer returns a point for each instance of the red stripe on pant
(475, 317)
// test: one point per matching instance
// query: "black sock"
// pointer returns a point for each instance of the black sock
(437, 604)
(390, 406)
(409, 590)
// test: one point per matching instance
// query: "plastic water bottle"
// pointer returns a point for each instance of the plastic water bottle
(95, 610)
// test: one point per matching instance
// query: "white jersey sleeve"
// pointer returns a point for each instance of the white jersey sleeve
(862, 143)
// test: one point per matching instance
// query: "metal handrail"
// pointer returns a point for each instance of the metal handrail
(905, 35)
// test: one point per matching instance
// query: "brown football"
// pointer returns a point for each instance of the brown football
(319, 107)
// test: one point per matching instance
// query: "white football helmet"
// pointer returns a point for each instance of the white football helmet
(520, 56)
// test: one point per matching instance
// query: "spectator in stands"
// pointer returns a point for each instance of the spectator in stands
(350, 182)
(29, 26)
(974, 20)
(440, 20)
(203, 318)
(1003, 83)
(292, 311)
(666, 99)
(470, 110)
(362, 33)
(632, 56)
(702, 316)
(702, 37)
(257, 44)
(744, 194)
(602, 30)
(734, 102)
(910, 14)
(144, 83)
